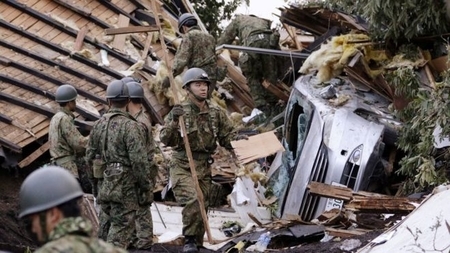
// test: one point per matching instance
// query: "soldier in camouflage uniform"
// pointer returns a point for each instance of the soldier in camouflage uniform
(117, 141)
(197, 49)
(144, 223)
(253, 31)
(66, 142)
(206, 125)
(49, 199)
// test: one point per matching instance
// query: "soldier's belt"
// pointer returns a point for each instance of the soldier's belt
(61, 160)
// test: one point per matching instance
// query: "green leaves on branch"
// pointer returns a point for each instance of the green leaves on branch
(427, 109)
(213, 12)
(397, 21)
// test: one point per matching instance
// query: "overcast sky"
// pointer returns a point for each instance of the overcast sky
(262, 9)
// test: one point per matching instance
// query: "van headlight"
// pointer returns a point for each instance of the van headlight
(356, 154)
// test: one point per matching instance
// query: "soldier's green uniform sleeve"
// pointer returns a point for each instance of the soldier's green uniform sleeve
(92, 149)
(182, 56)
(230, 33)
(170, 135)
(75, 140)
(136, 149)
(226, 132)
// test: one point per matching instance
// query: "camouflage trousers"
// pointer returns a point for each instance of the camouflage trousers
(185, 194)
(78, 169)
(256, 68)
(143, 236)
(119, 221)
(117, 197)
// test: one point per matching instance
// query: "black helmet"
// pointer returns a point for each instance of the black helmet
(117, 90)
(128, 79)
(135, 89)
(65, 93)
(186, 19)
(195, 75)
(47, 187)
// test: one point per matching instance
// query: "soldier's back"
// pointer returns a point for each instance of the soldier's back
(79, 244)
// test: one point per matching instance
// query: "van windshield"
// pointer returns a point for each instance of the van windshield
(298, 123)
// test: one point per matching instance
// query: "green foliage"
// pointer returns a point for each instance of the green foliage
(427, 109)
(397, 21)
(212, 12)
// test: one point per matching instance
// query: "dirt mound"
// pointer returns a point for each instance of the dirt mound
(13, 234)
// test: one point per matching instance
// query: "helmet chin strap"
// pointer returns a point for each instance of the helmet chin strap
(43, 223)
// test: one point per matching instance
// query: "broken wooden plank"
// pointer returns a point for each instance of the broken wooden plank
(80, 38)
(330, 191)
(5, 61)
(10, 145)
(384, 204)
(119, 40)
(274, 89)
(344, 232)
(148, 44)
(88, 211)
(130, 29)
(35, 155)
(257, 146)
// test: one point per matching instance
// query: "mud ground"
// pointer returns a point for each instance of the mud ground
(15, 238)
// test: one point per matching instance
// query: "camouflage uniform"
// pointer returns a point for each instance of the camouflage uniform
(66, 142)
(144, 222)
(74, 235)
(125, 174)
(254, 32)
(204, 130)
(198, 49)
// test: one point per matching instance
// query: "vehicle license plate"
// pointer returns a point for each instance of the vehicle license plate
(334, 203)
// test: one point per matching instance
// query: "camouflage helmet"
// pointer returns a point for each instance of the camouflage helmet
(117, 90)
(65, 93)
(185, 19)
(47, 187)
(195, 75)
(135, 89)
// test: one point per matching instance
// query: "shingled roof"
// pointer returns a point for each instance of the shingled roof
(37, 40)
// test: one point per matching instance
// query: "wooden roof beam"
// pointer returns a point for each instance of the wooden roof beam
(99, 22)
(83, 112)
(55, 81)
(36, 108)
(48, 20)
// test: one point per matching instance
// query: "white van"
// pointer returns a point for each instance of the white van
(332, 135)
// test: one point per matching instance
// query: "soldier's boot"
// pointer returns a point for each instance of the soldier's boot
(189, 245)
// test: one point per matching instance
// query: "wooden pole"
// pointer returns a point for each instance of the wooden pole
(183, 130)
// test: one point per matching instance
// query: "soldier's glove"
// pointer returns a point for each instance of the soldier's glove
(145, 195)
(177, 111)
(166, 82)
(241, 137)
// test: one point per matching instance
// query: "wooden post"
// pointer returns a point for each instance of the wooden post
(187, 146)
